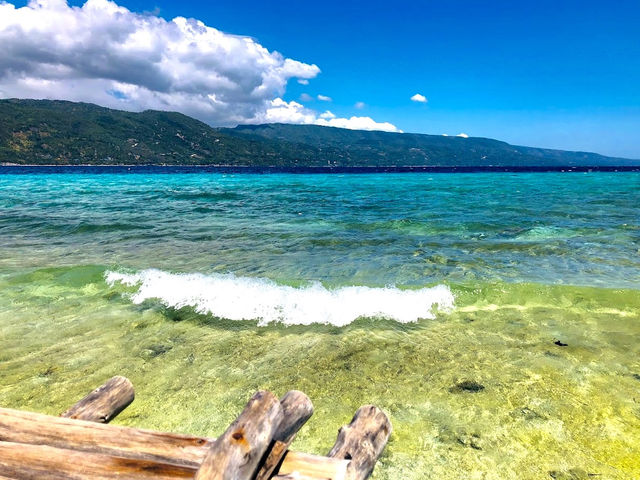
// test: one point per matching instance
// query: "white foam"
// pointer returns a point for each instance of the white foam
(241, 298)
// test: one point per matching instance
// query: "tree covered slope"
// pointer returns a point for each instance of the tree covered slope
(45, 132)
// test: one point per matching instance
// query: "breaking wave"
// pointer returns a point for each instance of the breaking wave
(242, 298)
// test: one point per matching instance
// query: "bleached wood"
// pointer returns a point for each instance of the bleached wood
(104, 403)
(237, 453)
(35, 462)
(362, 441)
(313, 466)
(296, 410)
(80, 435)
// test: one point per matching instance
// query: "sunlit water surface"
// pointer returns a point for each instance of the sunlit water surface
(378, 288)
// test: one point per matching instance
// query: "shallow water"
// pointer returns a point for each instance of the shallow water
(474, 277)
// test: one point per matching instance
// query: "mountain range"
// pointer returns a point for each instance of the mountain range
(52, 132)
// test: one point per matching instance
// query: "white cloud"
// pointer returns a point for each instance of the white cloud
(305, 97)
(462, 135)
(358, 123)
(419, 98)
(293, 112)
(103, 53)
(286, 112)
(360, 105)
(324, 98)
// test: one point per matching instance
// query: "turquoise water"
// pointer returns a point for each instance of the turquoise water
(357, 288)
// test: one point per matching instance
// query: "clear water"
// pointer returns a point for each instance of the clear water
(372, 288)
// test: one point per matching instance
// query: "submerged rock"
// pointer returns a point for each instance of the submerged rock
(467, 386)
(158, 349)
(48, 372)
(530, 414)
(572, 474)
(560, 344)
(470, 440)
(460, 437)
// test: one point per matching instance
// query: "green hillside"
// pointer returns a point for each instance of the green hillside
(67, 133)
(358, 147)
(45, 132)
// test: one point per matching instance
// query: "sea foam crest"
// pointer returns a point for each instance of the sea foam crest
(242, 298)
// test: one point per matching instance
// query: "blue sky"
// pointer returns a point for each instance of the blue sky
(562, 74)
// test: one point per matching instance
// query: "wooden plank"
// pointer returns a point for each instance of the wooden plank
(296, 410)
(237, 453)
(104, 403)
(362, 441)
(35, 462)
(313, 466)
(38, 429)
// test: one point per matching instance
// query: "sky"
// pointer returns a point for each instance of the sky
(562, 74)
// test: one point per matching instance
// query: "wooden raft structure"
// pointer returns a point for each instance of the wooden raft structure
(80, 445)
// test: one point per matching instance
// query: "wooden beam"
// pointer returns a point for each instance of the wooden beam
(362, 441)
(35, 462)
(34, 428)
(313, 466)
(237, 453)
(296, 410)
(104, 403)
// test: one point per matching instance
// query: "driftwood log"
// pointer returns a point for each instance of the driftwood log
(362, 441)
(296, 410)
(237, 453)
(34, 446)
(305, 466)
(136, 444)
(23, 461)
(90, 437)
(104, 403)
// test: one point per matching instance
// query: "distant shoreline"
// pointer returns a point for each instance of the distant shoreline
(120, 168)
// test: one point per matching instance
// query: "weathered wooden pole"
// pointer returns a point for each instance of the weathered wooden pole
(237, 453)
(305, 466)
(30, 462)
(362, 441)
(296, 410)
(104, 403)
(38, 429)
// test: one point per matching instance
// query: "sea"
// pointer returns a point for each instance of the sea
(494, 316)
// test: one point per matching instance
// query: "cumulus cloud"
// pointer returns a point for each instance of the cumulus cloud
(104, 53)
(305, 97)
(324, 98)
(360, 105)
(419, 98)
(462, 135)
(358, 123)
(281, 111)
